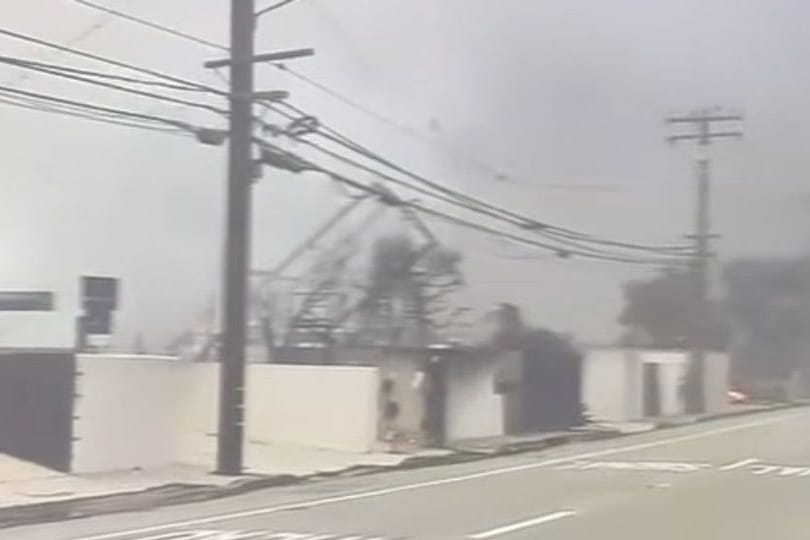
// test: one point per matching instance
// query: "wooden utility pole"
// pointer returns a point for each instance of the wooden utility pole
(237, 241)
(241, 175)
(703, 135)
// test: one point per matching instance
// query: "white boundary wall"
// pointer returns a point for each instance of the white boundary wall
(127, 412)
(320, 406)
(673, 369)
(611, 387)
(150, 412)
(473, 408)
(717, 382)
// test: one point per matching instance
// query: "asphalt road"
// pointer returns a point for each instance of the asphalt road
(746, 478)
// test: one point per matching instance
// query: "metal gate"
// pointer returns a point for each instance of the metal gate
(551, 392)
(36, 406)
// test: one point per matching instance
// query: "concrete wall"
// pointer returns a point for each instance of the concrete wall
(718, 371)
(613, 382)
(127, 412)
(150, 412)
(403, 371)
(474, 409)
(405, 375)
(612, 385)
(673, 369)
(320, 406)
(198, 412)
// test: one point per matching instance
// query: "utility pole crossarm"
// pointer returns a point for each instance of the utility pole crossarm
(707, 136)
(704, 118)
(258, 58)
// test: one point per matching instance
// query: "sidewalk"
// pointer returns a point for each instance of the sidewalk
(733, 410)
(510, 444)
(23, 483)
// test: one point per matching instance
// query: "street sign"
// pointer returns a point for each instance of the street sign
(99, 299)
(99, 292)
(26, 301)
(97, 322)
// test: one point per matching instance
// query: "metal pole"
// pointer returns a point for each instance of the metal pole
(237, 242)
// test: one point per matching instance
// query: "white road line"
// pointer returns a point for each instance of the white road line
(739, 464)
(521, 525)
(441, 482)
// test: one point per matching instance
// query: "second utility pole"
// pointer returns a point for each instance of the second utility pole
(237, 241)
(694, 391)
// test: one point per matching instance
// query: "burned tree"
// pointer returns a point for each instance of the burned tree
(408, 286)
(769, 300)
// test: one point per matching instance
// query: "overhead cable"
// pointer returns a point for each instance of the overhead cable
(67, 74)
(388, 198)
(468, 202)
(106, 119)
(524, 222)
(97, 108)
(103, 59)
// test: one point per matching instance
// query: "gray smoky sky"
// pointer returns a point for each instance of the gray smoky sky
(565, 98)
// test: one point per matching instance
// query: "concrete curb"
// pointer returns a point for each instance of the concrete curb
(175, 494)
(697, 419)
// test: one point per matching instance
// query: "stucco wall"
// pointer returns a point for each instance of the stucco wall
(320, 406)
(717, 382)
(473, 407)
(198, 411)
(612, 384)
(404, 372)
(154, 411)
(673, 369)
(126, 412)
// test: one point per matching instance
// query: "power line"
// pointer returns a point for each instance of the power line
(560, 251)
(388, 198)
(86, 116)
(570, 243)
(522, 221)
(58, 72)
(425, 138)
(331, 92)
(151, 24)
(526, 222)
(214, 45)
(471, 203)
(103, 59)
(273, 7)
(335, 176)
(97, 108)
(84, 34)
(109, 76)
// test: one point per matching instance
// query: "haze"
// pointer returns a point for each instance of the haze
(550, 93)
